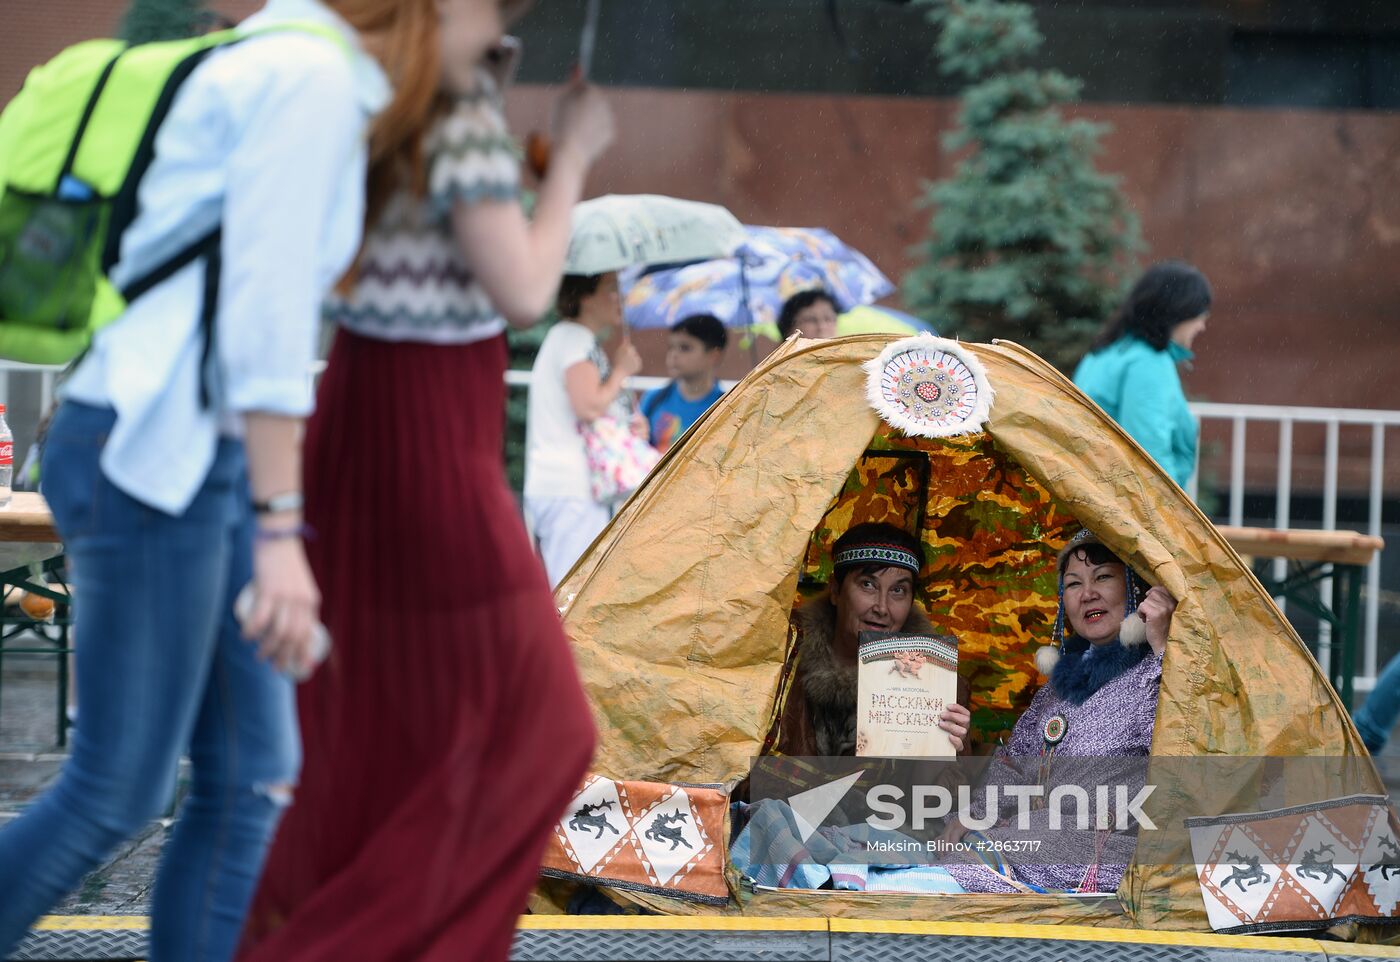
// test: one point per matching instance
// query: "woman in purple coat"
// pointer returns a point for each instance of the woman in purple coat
(1091, 726)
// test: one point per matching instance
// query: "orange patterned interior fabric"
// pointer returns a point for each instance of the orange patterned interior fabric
(990, 534)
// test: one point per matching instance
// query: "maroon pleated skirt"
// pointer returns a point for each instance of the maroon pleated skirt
(448, 729)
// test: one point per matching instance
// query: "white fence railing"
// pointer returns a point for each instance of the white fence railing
(1280, 422)
(1240, 417)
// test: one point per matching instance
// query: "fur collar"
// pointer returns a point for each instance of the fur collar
(829, 686)
(1076, 676)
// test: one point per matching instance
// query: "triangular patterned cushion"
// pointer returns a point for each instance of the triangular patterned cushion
(644, 836)
(1305, 867)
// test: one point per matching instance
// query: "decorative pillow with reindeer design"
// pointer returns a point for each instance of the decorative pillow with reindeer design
(644, 836)
(1305, 867)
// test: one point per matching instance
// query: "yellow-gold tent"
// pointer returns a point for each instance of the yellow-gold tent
(679, 612)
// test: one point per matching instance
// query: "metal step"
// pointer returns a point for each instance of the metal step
(632, 939)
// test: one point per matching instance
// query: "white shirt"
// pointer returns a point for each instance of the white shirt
(555, 463)
(267, 135)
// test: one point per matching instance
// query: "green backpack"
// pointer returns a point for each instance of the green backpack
(74, 145)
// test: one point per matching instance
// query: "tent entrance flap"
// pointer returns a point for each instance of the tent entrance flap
(990, 534)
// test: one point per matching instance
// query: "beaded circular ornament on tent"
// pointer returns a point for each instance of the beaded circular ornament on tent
(929, 387)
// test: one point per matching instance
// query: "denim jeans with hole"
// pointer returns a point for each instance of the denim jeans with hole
(161, 670)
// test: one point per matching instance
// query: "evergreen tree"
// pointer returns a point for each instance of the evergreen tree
(149, 20)
(1028, 241)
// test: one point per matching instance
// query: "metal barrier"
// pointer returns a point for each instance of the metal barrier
(1282, 420)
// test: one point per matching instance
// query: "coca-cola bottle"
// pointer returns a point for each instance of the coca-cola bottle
(7, 458)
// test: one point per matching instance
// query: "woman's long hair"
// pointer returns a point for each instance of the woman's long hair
(405, 37)
(1166, 294)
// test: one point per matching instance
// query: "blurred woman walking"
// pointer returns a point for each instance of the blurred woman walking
(448, 730)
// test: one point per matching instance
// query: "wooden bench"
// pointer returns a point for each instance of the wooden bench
(1315, 556)
(30, 546)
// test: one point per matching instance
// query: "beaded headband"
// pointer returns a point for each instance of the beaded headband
(876, 553)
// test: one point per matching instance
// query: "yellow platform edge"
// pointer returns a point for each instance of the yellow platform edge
(1074, 933)
(1347, 950)
(537, 923)
(1066, 933)
(83, 923)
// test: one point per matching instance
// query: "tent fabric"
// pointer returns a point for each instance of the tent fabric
(990, 535)
(679, 611)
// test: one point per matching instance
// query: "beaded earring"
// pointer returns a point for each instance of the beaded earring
(1047, 656)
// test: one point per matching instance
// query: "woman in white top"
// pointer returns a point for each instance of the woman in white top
(169, 503)
(572, 382)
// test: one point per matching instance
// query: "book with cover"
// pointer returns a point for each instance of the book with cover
(905, 682)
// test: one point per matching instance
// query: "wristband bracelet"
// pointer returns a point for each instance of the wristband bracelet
(286, 501)
(302, 531)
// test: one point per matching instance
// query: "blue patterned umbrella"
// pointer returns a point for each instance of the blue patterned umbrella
(749, 289)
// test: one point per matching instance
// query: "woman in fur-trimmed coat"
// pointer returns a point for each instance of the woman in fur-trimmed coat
(872, 589)
(820, 717)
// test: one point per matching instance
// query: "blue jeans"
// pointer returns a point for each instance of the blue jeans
(1375, 719)
(161, 669)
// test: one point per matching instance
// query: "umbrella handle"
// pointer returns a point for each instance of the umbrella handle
(537, 151)
(538, 146)
(748, 308)
(744, 291)
(834, 13)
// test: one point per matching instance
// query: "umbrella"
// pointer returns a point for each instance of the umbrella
(749, 289)
(872, 319)
(617, 231)
(865, 319)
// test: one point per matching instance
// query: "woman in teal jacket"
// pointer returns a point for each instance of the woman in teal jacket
(1131, 371)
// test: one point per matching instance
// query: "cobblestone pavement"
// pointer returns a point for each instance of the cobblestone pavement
(29, 761)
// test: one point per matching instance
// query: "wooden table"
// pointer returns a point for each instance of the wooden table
(27, 518)
(26, 531)
(1315, 556)
(1334, 547)
(29, 549)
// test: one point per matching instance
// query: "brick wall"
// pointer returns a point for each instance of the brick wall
(1288, 211)
(32, 31)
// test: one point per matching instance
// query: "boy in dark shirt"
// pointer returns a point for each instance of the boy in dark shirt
(693, 353)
